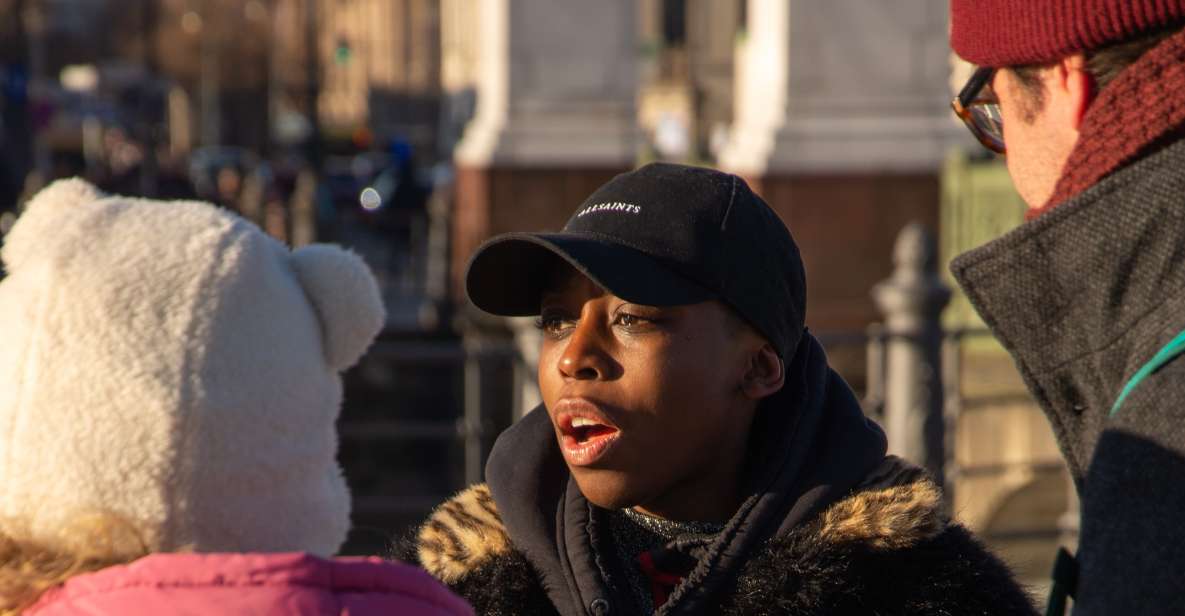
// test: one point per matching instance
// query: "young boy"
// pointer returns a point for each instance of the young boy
(694, 453)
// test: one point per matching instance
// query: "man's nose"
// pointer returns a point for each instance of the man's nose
(585, 356)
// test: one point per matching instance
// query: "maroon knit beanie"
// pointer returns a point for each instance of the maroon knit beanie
(1017, 32)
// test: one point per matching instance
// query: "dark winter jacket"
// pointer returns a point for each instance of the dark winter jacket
(831, 526)
(1084, 297)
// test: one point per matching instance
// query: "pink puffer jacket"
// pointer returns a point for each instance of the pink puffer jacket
(292, 584)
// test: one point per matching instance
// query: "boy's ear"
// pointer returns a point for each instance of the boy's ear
(766, 374)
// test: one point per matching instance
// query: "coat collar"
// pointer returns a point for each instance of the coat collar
(1082, 296)
(888, 546)
(466, 534)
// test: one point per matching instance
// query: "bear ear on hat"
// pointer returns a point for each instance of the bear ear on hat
(346, 298)
(62, 195)
(44, 217)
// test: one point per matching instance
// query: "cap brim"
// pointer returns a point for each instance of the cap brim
(508, 274)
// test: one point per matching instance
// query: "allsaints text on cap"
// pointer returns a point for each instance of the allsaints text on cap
(616, 206)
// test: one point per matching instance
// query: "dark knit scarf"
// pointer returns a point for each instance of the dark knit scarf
(1136, 113)
(649, 560)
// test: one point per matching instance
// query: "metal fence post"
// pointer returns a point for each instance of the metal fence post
(911, 301)
(435, 310)
(874, 383)
(303, 209)
(474, 417)
(251, 197)
(952, 408)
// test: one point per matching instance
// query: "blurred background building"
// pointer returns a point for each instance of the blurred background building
(412, 130)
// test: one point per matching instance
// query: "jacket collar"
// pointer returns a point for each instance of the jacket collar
(814, 445)
(898, 512)
(1081, 296)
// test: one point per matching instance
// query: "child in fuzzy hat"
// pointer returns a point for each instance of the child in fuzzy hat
(169, 382)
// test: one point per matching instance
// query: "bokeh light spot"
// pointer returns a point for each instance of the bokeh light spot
(370, 199)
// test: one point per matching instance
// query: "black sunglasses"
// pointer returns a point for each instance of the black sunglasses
(979, 109)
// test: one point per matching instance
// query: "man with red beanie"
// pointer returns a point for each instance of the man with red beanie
(1087, 100)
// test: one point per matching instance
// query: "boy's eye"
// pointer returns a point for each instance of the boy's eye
(552, 324)
(626, 319)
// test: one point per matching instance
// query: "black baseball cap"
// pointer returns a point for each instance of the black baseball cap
(661, 235)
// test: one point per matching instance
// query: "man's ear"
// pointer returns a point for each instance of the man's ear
(765, 375)
(1073, 90)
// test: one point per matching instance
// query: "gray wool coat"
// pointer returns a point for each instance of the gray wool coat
(1084, 297)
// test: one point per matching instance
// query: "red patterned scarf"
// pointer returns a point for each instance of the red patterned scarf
(1134, 114)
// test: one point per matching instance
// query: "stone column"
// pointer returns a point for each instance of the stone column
(555, 117)
(912, 300)
(841, 122)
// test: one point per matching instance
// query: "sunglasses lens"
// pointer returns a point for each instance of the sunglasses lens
(988, 124)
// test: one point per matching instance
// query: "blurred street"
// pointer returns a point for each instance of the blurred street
(412, 130)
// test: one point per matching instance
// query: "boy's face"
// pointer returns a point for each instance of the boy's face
(646, 402)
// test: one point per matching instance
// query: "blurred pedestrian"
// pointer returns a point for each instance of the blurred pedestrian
(169, 383)
(1087, 101)
(694, 453)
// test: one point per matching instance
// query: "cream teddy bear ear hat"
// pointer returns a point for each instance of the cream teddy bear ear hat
(169, 363)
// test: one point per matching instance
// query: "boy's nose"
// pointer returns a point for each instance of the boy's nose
(584, 357)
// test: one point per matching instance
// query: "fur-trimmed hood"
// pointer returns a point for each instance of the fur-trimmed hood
(886, 550)
(466, 533)
(462, 535)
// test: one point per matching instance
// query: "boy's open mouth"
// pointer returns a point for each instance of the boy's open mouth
(584, 429)
(585, 438)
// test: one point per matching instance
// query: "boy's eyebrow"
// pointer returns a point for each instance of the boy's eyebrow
(547, 296)
(551, 300)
